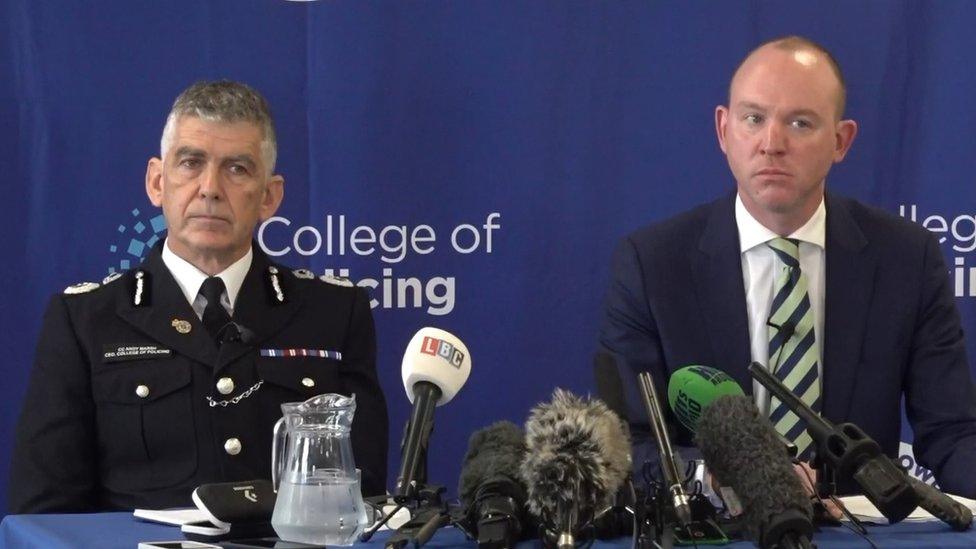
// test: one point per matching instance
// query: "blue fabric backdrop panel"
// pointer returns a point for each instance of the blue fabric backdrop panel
(495, 151)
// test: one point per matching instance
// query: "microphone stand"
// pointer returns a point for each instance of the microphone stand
(671, 496)
(850, 453)
(671, 505)
(669, 469)
(428, 510)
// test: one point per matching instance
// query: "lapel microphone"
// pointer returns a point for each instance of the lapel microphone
(787, 329)
(233, 332)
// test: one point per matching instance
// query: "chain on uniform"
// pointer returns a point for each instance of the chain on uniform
(238, 398)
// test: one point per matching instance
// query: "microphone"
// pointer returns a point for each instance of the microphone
(850, 452)
(435, 366)
(234, 332)
(577, 458)
(669, 467)
(943, 507)
(490, 487)
(692, 388)
(786, 329)
(742, 451)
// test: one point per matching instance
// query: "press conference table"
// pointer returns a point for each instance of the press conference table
(122, 531)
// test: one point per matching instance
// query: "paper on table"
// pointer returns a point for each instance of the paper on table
(178, 517)
(863, 509)
(175, 517)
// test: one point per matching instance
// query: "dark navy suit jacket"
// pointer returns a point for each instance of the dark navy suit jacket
(891, 328)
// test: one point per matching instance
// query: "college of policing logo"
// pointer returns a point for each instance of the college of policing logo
(136, 240)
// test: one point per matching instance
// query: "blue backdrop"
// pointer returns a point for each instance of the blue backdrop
(526, 136)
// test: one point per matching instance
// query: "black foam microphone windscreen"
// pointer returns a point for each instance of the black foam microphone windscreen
(943, 507)
(490, 487)
(577, 458)
(742, 451)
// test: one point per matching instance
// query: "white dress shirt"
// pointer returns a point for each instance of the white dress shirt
(759, 267)
(189, 279)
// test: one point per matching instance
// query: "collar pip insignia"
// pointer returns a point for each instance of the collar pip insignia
(274, 285)
(141, 286)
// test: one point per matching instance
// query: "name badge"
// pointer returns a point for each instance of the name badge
(122, 352)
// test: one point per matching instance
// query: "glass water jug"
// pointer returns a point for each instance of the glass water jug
(312, 468)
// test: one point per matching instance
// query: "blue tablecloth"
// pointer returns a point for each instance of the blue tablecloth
(122, 531)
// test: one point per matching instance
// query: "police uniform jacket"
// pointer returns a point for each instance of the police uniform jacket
(132, 404)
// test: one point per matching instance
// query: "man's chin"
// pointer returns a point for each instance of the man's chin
(780, 207)
(206, 242)
(779, 199)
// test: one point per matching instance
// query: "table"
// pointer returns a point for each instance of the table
(122, 531)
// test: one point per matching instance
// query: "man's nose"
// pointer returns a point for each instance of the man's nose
(210, 183)
(773, 139)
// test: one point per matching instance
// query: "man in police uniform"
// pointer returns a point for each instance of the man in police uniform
(172, 375)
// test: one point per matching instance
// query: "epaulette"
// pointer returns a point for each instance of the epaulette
(337, 280)
(304, 274)
(81, 288)
(85, 287)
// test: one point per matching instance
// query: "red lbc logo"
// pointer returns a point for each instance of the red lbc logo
(443, 349)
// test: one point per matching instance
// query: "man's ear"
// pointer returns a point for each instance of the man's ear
(154, 181)
(274, 192)
(845, 132)
(721, 124)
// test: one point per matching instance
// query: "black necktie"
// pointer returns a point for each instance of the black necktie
(215, 317)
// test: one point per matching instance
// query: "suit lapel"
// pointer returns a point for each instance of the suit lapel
(849, 286)
(717, 271)
(257, 308)
(167, 304)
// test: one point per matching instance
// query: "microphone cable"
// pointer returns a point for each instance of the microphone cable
(856, 525)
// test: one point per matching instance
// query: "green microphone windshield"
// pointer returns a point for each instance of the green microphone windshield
(692, 388)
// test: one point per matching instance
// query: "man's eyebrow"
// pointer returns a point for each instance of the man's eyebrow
(190, 151)
(805, 112)
(750, 105)
(241, 158)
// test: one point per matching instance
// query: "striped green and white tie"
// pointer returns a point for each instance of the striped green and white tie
(793, 348)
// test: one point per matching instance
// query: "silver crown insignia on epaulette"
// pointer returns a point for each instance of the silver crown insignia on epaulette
(81, 288)
(337, 280)
(303, 273)
(111, 278)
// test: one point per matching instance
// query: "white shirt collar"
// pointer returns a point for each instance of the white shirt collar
(752, 233)
(189, 278)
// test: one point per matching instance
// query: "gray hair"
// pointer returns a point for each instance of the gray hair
(224, 101)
